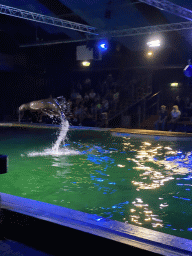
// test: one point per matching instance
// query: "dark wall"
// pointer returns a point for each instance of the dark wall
(161, 82)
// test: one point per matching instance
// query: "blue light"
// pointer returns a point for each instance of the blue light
(103, 45)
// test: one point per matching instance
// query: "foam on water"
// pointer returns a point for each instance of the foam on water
(50, 152)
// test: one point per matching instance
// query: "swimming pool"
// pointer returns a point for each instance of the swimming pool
(143, 181)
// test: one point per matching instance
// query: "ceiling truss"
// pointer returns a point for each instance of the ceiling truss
(148, 29)
(170, 7)
(161, 4)
(10, 11)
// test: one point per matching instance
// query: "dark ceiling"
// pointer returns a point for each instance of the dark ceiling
(102, 14)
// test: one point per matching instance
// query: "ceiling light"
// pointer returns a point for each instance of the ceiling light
(86, 63)
(150, 54)
(154, 43)
(174, 84)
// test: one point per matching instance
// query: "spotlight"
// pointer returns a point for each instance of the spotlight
(188, 71)
(86, 63)
(149, 54)
(174, 84)
(154, 43)
(103, 45)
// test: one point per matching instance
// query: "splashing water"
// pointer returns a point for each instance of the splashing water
(62, 135)
(56, 149)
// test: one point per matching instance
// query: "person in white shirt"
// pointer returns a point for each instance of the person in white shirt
(175, 116)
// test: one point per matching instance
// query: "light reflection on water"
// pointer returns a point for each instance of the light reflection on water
(142, 182)
(154, 166)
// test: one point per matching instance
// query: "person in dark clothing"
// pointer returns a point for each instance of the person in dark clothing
(180, 103)
(161, 122)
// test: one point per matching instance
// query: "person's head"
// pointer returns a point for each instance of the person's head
(175, 108)
(163, 108)
(177, 98)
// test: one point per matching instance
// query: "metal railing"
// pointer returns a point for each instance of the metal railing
(138, 111)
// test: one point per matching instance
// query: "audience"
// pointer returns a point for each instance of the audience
(161, 122)
(88, 104)
(175, 116)
(180, 103)
(179, 118)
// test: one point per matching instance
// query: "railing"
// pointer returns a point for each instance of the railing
(138, 111)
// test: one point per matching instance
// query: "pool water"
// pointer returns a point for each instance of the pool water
(141, 181)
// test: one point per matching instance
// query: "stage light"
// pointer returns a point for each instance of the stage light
(154, 43)
(174, 84)
(86, 63)
(188, 71)
(103, 45)
(150, 54)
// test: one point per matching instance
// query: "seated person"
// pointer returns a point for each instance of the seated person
(160, 123)
(175, 116)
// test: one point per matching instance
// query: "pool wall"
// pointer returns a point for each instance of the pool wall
(53, 228)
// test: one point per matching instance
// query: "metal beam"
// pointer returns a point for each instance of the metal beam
(147, 30)
(32, 16)
(54, 42)
(123, 33)
(167, 6)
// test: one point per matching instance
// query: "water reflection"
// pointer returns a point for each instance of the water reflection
(128, 181)
(141, 214)
(156, 166)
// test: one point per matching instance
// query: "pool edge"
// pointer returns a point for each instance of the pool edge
(138, 237)
(114, 131)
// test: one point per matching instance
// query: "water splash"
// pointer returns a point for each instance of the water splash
(50, 152)
(62, 136)
(58, 105)
(57, 149)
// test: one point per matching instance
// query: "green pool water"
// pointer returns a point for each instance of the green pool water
(141, 181)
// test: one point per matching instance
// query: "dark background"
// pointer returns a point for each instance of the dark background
(34, 73)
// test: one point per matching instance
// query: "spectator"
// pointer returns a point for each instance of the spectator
(79, 87)
(86, 100)
(105, 105)
(73, 95)
(97, 98)
(104, 116)
(99, 110)
(175, 116)
(86, 97)
(81, 113)
(110, 99)
(75, 118)
(78, 98)
(87, 85)
(109, 81)
(188, 107)
(180, 103)
(92, 95)
(187, 102)
(88, 118)
(115, 99)
(68, 111)
(93, 110)
(161, 122)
